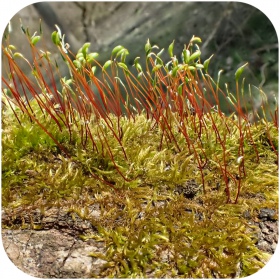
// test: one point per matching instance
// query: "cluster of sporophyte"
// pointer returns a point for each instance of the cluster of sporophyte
(148, 147)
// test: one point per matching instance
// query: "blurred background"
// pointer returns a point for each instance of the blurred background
(234, 32)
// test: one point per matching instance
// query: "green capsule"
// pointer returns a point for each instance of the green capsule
(239, 71)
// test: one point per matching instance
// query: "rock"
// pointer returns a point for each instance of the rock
(269, 239)
(273, 247)
(267, 236)
(247, 215)
(264, 246)
(272, 226)
(52, 253)
(267, 214)
(189, 189)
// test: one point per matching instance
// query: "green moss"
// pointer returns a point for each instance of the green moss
(162, 175)
(148, 230)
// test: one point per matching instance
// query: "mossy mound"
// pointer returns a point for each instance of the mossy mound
(149, 224)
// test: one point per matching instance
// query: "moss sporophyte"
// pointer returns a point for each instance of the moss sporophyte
(150, 147)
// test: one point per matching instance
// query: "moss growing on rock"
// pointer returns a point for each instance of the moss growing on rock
(164, 185)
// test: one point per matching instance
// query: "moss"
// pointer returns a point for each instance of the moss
(149, 230)
(125, 164)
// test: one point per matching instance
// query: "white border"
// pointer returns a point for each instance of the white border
(9, 8)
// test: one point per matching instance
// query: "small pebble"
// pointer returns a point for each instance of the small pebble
(247, 214)
(267, 214)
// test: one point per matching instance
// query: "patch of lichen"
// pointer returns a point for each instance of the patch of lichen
(148, 230)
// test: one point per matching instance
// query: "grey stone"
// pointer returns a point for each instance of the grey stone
(52, 254)
(267, 214)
